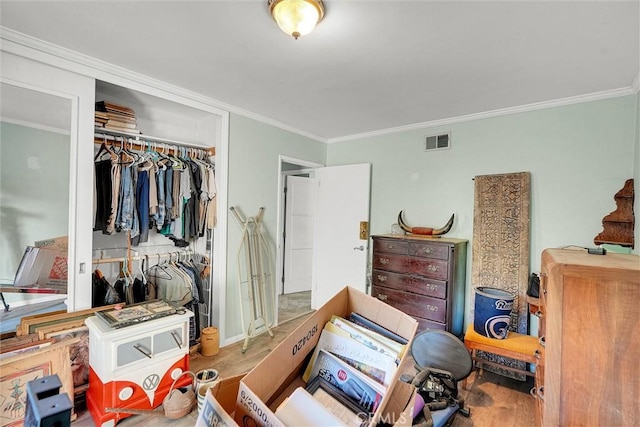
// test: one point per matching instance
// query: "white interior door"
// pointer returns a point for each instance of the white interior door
(300, 219)
(339, 255)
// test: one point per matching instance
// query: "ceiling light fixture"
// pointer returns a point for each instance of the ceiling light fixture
(296, 17)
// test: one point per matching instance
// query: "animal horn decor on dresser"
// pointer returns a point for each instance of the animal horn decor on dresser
(425, 231)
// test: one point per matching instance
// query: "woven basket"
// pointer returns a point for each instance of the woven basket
(178, 404)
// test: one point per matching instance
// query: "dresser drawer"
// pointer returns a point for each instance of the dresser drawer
(138, 349)
(432, 268)
(429, 250)
(423, 277)
(424, 324)
(412, 304)
(390, 246)
(410, 283)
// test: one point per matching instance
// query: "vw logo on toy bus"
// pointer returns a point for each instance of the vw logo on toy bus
(151, 382)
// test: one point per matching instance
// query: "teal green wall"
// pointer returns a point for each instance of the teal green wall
(579, 156)
(254, 150)
(34, 194)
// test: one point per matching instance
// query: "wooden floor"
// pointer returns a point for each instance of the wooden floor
(494, 400)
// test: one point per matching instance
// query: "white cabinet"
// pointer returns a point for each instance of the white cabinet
(134, 367)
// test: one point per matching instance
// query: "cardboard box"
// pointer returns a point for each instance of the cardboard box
(42, 267)
(220, 404)
(280, 372)
(55, 243)
(401, 407)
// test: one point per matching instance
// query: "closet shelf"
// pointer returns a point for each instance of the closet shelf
(111, 137)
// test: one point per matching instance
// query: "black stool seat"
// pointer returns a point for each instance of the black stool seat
(441, 350)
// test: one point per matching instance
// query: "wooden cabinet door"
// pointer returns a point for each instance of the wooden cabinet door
(591, 324)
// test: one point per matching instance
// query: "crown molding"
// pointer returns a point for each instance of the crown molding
(596, 96)
(18, 43)
(40, 50)
(37, 49)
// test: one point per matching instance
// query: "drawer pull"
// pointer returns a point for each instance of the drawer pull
(537, 354)
(428, 250)
(390, 246)
(384, 261)
(432, 307)
(431, 286)
(433, 268)
(537, 392)
(143, 350)
(176, 338)
(382, 297)
(382, 278)
(543, 341)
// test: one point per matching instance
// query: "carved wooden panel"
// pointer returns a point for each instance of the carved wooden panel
(618, 225)
(501, 239)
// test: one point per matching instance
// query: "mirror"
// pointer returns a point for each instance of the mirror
(35, 141)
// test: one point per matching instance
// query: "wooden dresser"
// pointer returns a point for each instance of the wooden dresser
(423, 277)
(589, 369)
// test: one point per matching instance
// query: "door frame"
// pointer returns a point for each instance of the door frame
(305, 167)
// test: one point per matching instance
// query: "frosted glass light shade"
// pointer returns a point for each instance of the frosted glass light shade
(296, 17)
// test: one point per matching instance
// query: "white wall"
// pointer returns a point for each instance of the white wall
(254, 150)
(579, 156)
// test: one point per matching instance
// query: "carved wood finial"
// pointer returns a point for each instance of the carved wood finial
(618, 225)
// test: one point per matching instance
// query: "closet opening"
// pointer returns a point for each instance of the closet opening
(167, 148)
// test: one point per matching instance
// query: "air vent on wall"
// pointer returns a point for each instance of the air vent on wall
(437, 142)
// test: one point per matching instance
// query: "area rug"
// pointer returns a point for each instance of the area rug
(500, 255)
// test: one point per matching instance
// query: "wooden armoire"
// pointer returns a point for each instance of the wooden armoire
(589, 370)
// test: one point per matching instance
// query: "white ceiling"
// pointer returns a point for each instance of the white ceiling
(369, 66)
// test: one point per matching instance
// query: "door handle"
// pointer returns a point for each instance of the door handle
(359, 248)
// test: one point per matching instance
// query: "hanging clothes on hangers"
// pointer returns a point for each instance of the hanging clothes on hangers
(171, 284)
(143, 201)
(194, 304)
(179, 282)
(104, 214)
(103, 293)
(140, 191)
